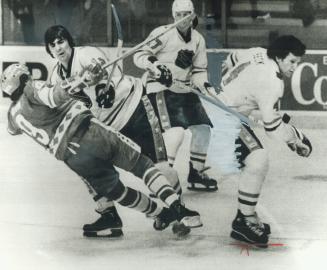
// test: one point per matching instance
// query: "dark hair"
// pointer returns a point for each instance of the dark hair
(57, 31)
(284, 45)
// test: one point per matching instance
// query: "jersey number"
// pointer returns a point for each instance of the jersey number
(38, 134)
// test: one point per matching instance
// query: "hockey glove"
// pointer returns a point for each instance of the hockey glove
(161, 73)
(73, 85)
(301, 145)
(184, 59)
(105, 97)
(94, 72)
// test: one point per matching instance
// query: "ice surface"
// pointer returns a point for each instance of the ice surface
(43, 207)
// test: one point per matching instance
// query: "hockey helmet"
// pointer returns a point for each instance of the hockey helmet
(182, 5)
(13, 78)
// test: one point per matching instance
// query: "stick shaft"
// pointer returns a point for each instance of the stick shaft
(147, 41)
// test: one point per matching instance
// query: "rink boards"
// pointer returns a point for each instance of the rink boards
(306, 91)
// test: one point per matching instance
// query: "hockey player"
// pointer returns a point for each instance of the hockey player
(123, 106)
(68, 130)
(183, 51)
(253, 80)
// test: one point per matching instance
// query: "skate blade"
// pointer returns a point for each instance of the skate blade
(192, 222)
(200, 187)
(243, 239)
(108, 233)
(180, 230)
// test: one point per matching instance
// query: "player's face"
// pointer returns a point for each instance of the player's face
(61, 50)
(288, 65)
(184, 26)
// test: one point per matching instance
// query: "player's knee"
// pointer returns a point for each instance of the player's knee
(257, 162)
(141, 166)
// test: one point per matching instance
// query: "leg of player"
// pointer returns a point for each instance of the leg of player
(95, 163)
(159, 185)
(109, 224)
(246, 226)
(171, 175)
(173, 138)
(197, 179)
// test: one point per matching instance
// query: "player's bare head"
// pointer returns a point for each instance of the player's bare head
(57, 32)
(284, 45)
(13, 81)
(180, 9)
(287, 52)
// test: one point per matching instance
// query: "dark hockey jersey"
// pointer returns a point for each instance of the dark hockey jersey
(49, 116)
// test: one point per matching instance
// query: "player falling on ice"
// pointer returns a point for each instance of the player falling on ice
(68, 130)
(124, 106)
(183, 51)
(253, 80)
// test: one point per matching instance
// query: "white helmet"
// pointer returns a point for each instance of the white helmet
(13, 77)
(182, 5)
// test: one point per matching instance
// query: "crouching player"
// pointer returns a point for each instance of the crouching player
(66, 127)
(253, 79)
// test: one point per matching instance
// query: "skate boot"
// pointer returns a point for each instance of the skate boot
(200, 181)
(186, 216)
(165, 218)
(108, 225)
(262, 225)
(246, 230)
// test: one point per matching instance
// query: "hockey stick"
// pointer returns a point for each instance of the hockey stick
(119, 45)
(215, 101)
(146, 42)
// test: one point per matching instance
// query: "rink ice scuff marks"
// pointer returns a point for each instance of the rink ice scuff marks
(43, 207)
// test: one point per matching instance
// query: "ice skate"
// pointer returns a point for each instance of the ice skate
(246, 230)
(108, 225)
(186, 216)
(167, 217)
(164, 219)
(200, 181)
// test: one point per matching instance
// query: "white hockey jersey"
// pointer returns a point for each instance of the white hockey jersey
(252, 81)
(128, 90)
(166, 49)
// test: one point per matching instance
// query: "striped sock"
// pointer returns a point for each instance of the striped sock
(247, 202)
(159, 185)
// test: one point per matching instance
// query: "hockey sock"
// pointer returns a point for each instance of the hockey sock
(102, 202)
(173, 138)
(159, 185)
(154, 179)
(251, 180)
(199, 145)
(171, 175)
(136, 200)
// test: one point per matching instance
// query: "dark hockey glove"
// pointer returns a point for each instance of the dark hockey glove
(184, 59)
(105, 97)
(166, 78)
(302, 145)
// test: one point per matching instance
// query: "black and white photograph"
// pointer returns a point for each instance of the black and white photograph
(163, 134)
